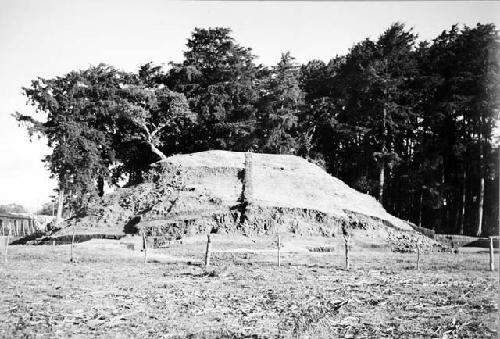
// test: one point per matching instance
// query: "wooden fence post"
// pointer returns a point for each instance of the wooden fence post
(145, 245)
(346, 245)
(279, 245)
(492, 260)
(345, 233)
(72, 259)
(7, 244)
(207, 253)
(418, 256)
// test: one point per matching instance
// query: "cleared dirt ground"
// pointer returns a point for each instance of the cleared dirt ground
(111, 293)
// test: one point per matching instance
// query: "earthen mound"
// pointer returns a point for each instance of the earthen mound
(241, 193)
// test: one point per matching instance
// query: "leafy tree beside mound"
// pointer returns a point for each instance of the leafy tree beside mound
(92, 116)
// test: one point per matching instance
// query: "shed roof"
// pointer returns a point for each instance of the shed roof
(14, 216)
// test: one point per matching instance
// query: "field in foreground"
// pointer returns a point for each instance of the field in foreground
(111, 293)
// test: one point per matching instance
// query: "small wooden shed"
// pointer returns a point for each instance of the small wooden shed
(16, 225)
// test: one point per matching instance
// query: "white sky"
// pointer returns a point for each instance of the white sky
(49, 38)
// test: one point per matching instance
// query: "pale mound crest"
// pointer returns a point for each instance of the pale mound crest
(284, 181)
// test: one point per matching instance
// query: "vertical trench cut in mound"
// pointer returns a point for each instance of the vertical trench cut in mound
(237, 193)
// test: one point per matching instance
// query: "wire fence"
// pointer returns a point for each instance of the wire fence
(281, 257)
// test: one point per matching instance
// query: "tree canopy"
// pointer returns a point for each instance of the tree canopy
(407, 121)
(13, 208)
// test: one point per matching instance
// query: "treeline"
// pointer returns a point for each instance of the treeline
(13, 208)
(408, 122)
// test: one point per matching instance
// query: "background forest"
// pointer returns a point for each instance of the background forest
(410, 122)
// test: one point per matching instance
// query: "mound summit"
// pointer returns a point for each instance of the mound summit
(239, 193)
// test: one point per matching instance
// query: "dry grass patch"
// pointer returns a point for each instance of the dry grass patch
(111, 293)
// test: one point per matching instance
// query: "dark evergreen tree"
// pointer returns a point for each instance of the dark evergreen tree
(279, 108)
(77, 128)
(220, 79)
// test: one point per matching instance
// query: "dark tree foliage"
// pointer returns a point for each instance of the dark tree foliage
(220, 79)
(78, 128)
(279, 108)
(461, 114)
(419, 118)
(95, 119)
(408, 122)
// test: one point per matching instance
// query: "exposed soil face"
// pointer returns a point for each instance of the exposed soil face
(239, 193)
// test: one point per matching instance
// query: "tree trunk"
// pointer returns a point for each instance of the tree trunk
(442, 200)
(479, 229)
(409, 208)
(462, 210)
(100, 186)
(60, 206)
(156, 151)
(480, 207)
(420, 206)
(382, 160)
(381, 183)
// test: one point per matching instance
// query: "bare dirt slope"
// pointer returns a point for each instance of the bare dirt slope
(239, 193)
(285, 181)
